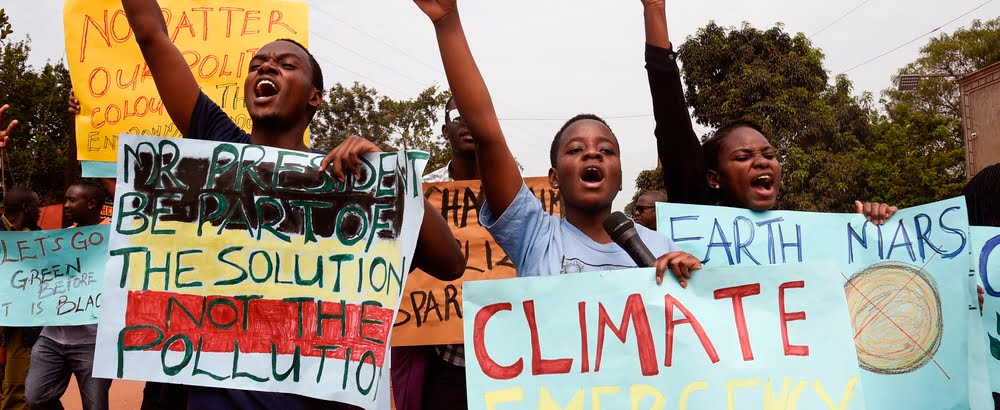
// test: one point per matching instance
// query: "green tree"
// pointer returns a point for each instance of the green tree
(778, 81)
(648, 180)
(5, 29)
(390, 124)
(41, 144)
(917, 148)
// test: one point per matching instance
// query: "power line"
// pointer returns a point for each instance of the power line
(359, 75)
(917, 38)
(397, 49)
(421, 83)
(839, 18)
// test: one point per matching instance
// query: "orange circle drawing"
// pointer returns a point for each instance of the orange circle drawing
(896, 312)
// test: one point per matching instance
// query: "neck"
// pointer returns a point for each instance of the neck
(462, 168)
(89, 220)
(591, 223)
(286, 138)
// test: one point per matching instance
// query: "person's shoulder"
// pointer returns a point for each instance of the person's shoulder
(657, 242)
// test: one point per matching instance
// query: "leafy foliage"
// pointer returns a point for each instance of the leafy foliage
(41, 143)
(390, 124)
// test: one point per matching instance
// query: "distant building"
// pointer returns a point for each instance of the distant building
(981, 117)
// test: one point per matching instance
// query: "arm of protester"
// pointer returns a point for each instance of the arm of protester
(875, 212)
(677, 146)
(681, 264)
(437, 250)
(655, 17)
(174, 81)
(500, 175)
(5, 132)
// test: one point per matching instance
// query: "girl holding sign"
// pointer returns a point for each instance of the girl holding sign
(737, 166)
(585, 167)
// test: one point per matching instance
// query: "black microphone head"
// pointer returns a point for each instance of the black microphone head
(616, 224)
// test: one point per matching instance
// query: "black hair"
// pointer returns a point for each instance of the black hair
(982, 197)
(317, 79)
(95, 191)
(554, 151)
(17, 199)
(711, 147)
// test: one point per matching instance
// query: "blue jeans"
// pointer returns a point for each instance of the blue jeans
(52, 364)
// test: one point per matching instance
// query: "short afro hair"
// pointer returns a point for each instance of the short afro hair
(711, 147)
(554, 150)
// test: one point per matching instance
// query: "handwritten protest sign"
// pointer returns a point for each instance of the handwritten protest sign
(986, 261)
(906, 284)
(431, 310)
(241, 266)
(52, 277)
(116, 90)
(737, 337)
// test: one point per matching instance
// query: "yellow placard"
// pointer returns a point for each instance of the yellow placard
(116, 90)
(430, 312)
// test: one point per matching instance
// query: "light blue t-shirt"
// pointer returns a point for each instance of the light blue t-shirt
(540, 244)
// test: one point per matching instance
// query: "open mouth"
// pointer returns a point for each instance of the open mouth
(763, 184)
(265, 89)
(592, 175)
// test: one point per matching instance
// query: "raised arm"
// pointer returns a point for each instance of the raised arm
(677, 146)
(174, 81)
(498, 171)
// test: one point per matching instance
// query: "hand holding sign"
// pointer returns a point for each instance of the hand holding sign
(5, 134)
(875, 212)
(347, 157)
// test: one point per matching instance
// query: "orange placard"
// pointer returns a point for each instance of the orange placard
(116, 91)
(430, 312)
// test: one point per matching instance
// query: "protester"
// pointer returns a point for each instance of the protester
(20, 213)
(433, 377)
(62, 351)
(736, 167)
(585, 168)
(982, 196)
(283, 90)
(644, 211)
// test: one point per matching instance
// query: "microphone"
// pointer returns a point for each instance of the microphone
(622, 231)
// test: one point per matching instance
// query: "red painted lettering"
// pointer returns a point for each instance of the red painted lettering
(737, 293)
(670, 303)
(490, 367)
(275, 20)
(538, 364)
(790, 349)
(635, 312)
(581, 310)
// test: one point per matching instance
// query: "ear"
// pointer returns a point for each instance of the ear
(316, 99)
(553, 179)
(713, 179)
(444, 132)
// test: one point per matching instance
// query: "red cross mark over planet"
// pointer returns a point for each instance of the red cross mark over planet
(895, 309)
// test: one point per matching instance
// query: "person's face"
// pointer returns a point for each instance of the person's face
(588, 169)
(749, 173)
(278, 87)
(456, 132)
(78, 205)
(32, 211)
(644, 212)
